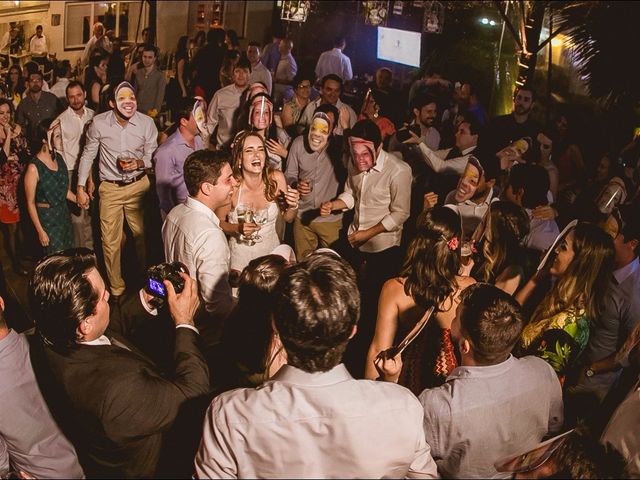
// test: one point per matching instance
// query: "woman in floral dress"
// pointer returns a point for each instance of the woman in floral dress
(14, 154)
(559, 328)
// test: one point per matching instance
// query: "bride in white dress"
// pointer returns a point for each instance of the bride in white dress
(263, 195)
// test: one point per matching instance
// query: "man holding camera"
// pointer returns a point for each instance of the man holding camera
(114, 402)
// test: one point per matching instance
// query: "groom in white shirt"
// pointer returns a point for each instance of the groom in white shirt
(192, 235)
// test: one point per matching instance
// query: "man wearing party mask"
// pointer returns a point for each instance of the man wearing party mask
(170, 156)
(474, 193)
(314, 168)
(124, 140)
(379, 190)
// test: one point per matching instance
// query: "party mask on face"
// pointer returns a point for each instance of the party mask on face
(126, 103)
(612, 195)
(260, 113)
(468, 183)
(363, 153)
(319, 131)
(199, 116)
(54, 137)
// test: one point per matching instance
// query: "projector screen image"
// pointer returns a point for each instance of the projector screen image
(399, 46)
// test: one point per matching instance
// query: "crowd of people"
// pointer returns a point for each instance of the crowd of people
(383, 289)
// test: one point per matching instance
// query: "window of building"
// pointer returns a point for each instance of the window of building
(124, 18)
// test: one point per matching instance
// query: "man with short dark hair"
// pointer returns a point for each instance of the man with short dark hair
(192, 235)
(225, 102)
(62, 71)
(331, 88)
(312, 419)
(38, 45)
(114, 401)
(259, 73)
(30, 440)
(619, 316)
(504, 130)
(527, 187)
(36, 105)
(73, 124)
(285, 71)
(334, 61)
(494, 404)
(169, 158)
(150, 83)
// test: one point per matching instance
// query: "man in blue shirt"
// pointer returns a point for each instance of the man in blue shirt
(170, 156)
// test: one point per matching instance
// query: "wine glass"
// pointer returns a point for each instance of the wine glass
(260, 216)
(245, 214)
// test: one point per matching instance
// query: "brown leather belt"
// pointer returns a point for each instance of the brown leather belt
(124, 183)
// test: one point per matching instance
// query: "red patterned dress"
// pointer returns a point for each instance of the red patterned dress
(10, 175)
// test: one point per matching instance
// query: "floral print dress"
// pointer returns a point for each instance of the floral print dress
(558, 340)
(10, 175)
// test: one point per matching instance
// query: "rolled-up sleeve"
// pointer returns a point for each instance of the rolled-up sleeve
(347, 196)
(400, 189)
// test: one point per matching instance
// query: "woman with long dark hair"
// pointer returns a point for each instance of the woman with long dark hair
(14, 155)
(429, 278)
(252, 349)
(16, 85)
(559, 328)
(95, 78)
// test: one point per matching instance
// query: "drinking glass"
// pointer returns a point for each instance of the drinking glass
(261, 217)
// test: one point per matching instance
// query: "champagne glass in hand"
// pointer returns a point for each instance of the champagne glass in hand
(261, 217)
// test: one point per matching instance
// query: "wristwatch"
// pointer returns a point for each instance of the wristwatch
(589, 372)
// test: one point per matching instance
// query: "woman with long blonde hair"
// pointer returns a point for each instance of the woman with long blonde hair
(262, 196)
(559, 328)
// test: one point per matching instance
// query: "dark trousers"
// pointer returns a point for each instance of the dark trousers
(373, 270)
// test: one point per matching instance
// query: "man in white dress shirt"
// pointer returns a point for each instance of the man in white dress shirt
(73, 123)
(38, 44)
(312, 419)
(192, 235)
(334, 61)
(379, 190)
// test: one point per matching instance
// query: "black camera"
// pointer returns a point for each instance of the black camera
(157, 274)
(404, 134)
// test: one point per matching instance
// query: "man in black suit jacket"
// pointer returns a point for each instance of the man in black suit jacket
(115, 402)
